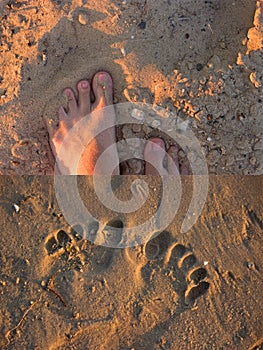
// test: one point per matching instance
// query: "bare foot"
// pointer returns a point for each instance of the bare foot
(66, 149)
(155, 156)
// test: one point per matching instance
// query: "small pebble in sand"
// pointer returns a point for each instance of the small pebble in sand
(137, 114)
(142, 25)
(183, 125)
(44, 58)
(209, 139)
(156, 123)
(16, 207)
(254, 78)
(252, 160)
(123, 52)
(83, 18)
(199, 67)
(205, 263)
(251, 266)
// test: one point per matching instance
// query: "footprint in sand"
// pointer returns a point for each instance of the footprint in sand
(64, 246)
(80, 252)
(70, 254)
(99, 256)
(57, 242)
(179, 264)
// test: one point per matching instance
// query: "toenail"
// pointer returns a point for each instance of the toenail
(67, 93)
(102, 79)
(156, 144)
(84, 84)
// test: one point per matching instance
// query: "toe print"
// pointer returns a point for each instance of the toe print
(178, 252)
(56, 242)
(195, 292)
(178, 264)
(64, 245)
(187, 261)
(78, 251)
(157, 246)
(198, 275)
(70, 253)
(63, 239)
(51, 246)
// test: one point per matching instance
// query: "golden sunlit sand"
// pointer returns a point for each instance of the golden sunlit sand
(200, 62)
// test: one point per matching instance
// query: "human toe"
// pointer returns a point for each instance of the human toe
(154, 154)
(71, 100)
(102, 86)
(84, 97)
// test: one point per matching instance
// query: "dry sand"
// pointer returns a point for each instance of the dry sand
(200, 60)
(198, 290)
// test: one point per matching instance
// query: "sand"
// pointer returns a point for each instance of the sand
(196, 290)
(199, 62)
(202, 61)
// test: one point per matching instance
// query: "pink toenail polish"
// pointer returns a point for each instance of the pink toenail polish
(157, 144)
(84, 85)
(100, 77)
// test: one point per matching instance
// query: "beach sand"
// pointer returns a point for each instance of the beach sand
(196, 290)
(202, 61)
(199, 62)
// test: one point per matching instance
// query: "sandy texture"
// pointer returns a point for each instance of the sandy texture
(202, 60)
(199, 290)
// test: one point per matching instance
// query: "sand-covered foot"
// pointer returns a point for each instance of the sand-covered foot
(100, 113)
(156, 156)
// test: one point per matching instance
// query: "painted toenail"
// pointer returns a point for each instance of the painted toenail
(102, 80)
(84, 85)
(67, 93)
(156, 144)
(101, 77)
